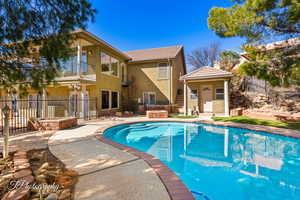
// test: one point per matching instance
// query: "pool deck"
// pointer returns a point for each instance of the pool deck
(108, 170)
(111, 171)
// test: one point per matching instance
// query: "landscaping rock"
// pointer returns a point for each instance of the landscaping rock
(41, 179)
(18, 161)
(2, 167)
(21, 153)
(71, 173)
(65, 194)
(3, 182)
(67, 179)
(52, 196)
(20, 157)
(44, 166)
(21, 166)
(37, 156)
(7, 176)
(28, 179)
(22, 173)
(17, 194)
(42, 171)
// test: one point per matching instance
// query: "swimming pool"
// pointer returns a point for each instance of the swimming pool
(217, 162)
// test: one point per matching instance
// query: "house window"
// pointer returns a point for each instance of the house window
(114, 66)
(163, 71)
(105, 99)
(194, 94)
(149, 98)
(114, 100)
(109, 65)
(84, 62)
(219, 93)
(70, 64)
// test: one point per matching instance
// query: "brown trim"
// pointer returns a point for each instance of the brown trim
(206, 77)
(154, 60)
(94, 39)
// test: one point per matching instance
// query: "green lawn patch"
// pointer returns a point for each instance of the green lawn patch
(255, 121)
(183, 117)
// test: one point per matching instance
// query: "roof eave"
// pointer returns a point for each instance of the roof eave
(126, 57)
(206, 77)
(150, 60)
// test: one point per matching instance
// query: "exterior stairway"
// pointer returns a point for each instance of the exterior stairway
(180, 103)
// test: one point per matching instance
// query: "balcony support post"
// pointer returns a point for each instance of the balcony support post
(79, 58)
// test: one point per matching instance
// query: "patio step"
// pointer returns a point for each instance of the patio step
(180, 100)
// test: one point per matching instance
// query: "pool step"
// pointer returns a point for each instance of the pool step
(200, 194)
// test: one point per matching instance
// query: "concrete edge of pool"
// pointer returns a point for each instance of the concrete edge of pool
(174, 186)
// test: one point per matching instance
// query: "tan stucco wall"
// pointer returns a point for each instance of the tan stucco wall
(59, 91)
(92, 90)
(218, 105)
(178, 70)
(108, 82)
(144, 78)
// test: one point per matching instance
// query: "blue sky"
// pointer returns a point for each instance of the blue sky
(138, 24)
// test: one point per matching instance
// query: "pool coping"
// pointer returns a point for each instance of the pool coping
(260, 128)
(176, 189)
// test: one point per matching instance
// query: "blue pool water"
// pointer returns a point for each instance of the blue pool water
(220, 163)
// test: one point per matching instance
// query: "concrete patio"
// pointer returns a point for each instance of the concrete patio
(105, 172)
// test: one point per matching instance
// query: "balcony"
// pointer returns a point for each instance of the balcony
(72, 70)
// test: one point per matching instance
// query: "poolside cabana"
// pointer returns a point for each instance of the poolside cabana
(206, 90)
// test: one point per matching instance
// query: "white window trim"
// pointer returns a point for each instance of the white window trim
(111, 99)
(197, 95)
(168, 71)
(219, 93)
(148, 94)
(110, 66)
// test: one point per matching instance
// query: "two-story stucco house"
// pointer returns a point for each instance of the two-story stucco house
(101, 79)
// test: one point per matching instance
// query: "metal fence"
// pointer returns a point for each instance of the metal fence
(23, 110)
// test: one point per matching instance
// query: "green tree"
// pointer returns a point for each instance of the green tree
(257, 21)
(229, 59)
(35, 36)
(278, 67)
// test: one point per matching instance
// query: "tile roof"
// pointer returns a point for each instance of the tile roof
(206, 72)
(154, 54)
